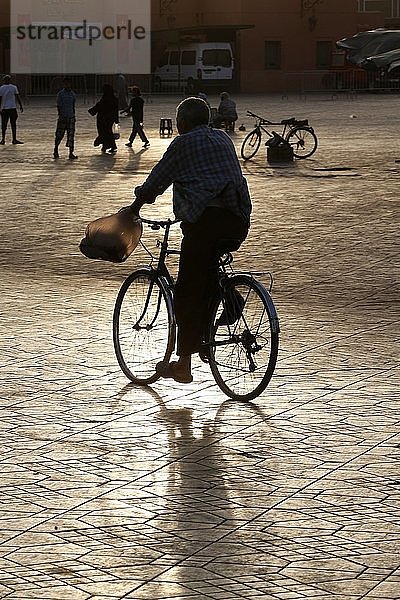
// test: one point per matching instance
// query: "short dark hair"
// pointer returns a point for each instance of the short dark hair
(108, 90)
(194, 111)
(7, 78)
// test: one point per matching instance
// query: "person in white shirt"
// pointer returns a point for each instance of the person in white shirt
(9, 96)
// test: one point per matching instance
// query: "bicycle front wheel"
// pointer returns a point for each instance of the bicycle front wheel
(243, 340)
(303, 141)
(143, 326)
(251, 144)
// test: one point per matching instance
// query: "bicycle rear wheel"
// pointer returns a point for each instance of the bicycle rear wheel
(303, 141)
(243, 348)
(143, 326)
(251, 144)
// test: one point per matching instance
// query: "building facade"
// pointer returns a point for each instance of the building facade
(390, 9)
(4, 36)
(274, 41)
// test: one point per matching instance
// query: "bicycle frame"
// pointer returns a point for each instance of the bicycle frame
(161, 268)
(287, 125)
(160, 271)
(240, 337)
(293, 132)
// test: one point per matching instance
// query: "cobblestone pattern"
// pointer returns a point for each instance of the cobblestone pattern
(109, 491)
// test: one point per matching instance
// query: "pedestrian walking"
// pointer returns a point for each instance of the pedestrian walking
(106, 110)
(9, 96)
(135, 109)
(66, 100)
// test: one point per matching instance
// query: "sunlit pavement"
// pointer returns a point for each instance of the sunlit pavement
(109, 491)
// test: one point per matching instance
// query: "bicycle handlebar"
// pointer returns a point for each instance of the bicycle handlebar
(164, 223)
(261, 119)
(292, 121)
(253, 114)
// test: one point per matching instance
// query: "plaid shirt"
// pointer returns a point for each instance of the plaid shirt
(66, 103)
(204, 169)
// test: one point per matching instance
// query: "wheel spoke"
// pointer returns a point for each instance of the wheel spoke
(143, 331)
(251, 144)
(243, 354)
(303, 141)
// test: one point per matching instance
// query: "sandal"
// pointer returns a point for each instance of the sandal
(169, 371)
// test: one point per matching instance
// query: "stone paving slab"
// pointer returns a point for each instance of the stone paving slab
(110, 491)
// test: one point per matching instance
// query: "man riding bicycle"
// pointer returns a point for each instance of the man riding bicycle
(211, 198)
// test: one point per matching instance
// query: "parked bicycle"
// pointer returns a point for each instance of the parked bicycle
(297, 133)
(240, 339)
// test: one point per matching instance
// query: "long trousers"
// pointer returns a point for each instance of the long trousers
(198, 271)
(137, 128)
(9, 114)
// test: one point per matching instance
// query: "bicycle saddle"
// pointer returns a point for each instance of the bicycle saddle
(301, 123)
(290, 121)
(226, 245)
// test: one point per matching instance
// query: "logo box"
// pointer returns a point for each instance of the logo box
(80, 36)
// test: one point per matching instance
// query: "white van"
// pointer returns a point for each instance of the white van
(192, 66)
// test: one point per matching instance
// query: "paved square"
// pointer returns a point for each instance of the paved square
(110, 491)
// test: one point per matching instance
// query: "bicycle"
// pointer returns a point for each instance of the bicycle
(240, 339)
(297, 133)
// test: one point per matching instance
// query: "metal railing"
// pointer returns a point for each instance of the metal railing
(88, 86)
(304, 82)
(49, 85)
(341, 80)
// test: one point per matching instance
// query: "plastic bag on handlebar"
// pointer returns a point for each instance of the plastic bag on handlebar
(112, 238)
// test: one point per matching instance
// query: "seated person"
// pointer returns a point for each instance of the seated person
(226, 112)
